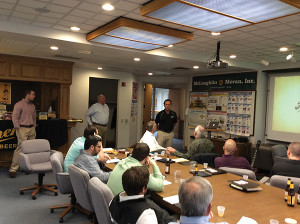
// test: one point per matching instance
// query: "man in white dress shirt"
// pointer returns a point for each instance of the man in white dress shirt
(98, 115)
(149, 137)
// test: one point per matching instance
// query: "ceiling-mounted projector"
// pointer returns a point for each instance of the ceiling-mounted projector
(217, 63)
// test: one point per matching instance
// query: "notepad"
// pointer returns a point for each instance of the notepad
(246, 186)
(172, 199)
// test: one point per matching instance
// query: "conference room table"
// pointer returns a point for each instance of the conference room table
(261, 205)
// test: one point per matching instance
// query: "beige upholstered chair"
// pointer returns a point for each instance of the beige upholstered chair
(35, 158)
(281, 181)
(240, 172)
(101, 196)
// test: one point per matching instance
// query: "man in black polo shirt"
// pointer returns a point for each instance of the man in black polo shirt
(166, 120)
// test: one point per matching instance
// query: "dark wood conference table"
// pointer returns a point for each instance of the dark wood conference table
(260, 206)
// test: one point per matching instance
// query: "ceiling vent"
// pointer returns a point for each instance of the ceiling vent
(181, 68)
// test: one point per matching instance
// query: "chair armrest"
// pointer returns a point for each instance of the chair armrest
(52, 152)
(64, 183)
(24, 162)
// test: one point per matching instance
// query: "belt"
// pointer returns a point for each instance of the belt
(103, 125)
(166, 131)
(26, 126)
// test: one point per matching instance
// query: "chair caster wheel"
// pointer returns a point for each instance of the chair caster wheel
(33, 197)
(61, 220)
(55, 193)
(21, 192)
(55, 187)
(52, 210)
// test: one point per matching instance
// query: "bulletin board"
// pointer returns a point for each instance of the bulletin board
(228, 99)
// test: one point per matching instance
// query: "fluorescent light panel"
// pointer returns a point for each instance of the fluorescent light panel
(217, 15)
(138, 35)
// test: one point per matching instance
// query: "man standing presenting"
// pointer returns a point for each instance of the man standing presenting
(199, 145)
(24, 120)
(166, 120)
(98, 115)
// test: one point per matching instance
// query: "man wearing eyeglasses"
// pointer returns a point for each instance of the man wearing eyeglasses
(86, 161)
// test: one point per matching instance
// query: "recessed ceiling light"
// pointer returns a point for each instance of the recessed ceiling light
(54, 48)
(196, 67)
(137, 59)
(283, 49)
(215, 33)
(171, 45)
(232, 56)
(150, 73)
(75, 28)
(108, 7)
(99, 68)
(84, 52)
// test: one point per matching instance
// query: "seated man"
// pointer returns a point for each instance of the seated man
(131, 206)
(78, 144)
(291, 166)
(195, 196)
(86, 161)
(149, 137)
(229, 160)
(140, 157)
(199, 145)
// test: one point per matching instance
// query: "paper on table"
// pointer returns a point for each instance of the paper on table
(179, 160)
(156, 158)
(108, 149)
(167, 182)
(113, 161)
(172, 199)
(246, 220)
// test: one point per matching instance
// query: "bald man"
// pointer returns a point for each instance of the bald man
(199, 145)
(229, 160)
(291, 166)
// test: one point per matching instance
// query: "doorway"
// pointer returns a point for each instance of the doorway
(109, 88)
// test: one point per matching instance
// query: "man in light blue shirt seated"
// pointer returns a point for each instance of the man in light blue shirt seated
(78, 144)
(195, 196)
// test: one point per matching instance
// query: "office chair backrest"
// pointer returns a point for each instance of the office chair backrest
(240, 172)
(62, 179)
(281, 181)
(205, 158)
(80, 179)
(101, 196)
(38, 150)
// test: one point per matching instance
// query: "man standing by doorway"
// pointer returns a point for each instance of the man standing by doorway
(24, 120)
(98, 115)
(166, 120)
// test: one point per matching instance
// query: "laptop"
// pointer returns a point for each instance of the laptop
(213, 125)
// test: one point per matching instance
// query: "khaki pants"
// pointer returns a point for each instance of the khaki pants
(22, 135)
(165, 139)
(102, 133)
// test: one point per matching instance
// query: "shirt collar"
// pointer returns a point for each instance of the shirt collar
(124, 197)
(194, 219)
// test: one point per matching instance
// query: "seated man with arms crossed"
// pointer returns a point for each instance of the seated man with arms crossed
(87, 162)
(291, 166)
(140, 157)
(78, 144)
(131, 206)
(149, 137)
(199, 145)
(195, 196)
(229, 160)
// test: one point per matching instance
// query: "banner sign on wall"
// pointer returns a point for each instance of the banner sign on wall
(8, 138)
(228, 82)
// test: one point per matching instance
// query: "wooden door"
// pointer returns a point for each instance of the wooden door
(147, 105)
(174, 95)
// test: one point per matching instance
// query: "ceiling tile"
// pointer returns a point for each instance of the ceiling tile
(127, 5)
(74, 19)
(32, 3)
(46, 19)
(4, 12)
(43, 24)
(53, 15)
(90, 7)
(82, 13)
(23, 15)
(5, 5)
(279, 28)
(59, 8)
(69, 3)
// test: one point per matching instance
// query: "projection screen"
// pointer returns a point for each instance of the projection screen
(283, 116)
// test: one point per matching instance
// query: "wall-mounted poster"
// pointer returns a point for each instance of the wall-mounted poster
(198, 100)
(5, 93)
(197, 117)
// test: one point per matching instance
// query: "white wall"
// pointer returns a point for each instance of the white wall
(79, 92)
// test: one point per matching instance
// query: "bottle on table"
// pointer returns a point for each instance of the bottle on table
(298, 197)
(167, 169)
(286, 191)
(291, 196)
(196, 171)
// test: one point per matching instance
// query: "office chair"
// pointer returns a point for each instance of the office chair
(281, 181)
(209, 158)
(35, 158)
(80, 180)
(64, 185)
(240, 172)
(101, 196)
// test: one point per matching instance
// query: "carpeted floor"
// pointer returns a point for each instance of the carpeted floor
(21, 209)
